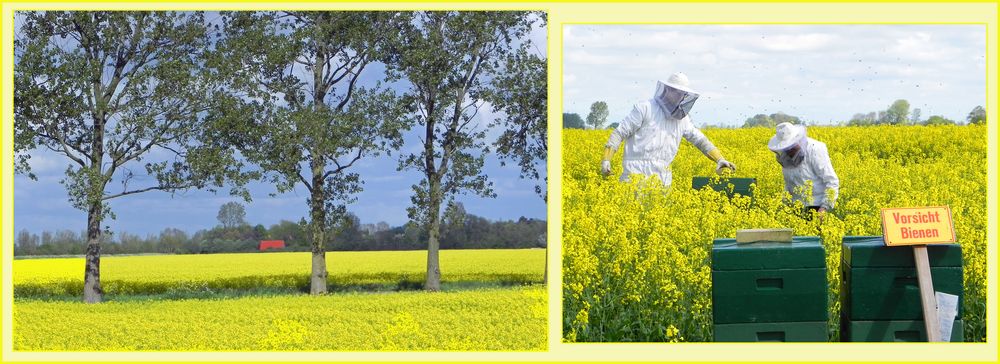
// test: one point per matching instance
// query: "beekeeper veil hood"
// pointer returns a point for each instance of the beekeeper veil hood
(788, 144)
(675, 95)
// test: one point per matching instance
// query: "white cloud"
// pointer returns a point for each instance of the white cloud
(811, 71)
(797, 42)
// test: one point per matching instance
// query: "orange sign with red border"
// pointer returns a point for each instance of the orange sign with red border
(917, 225)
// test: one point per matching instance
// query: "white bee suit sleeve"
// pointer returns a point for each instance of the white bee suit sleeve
(819, 158)
(695, 136)
(626, 128)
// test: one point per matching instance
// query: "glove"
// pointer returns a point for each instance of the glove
(723, 164)
(605, 167)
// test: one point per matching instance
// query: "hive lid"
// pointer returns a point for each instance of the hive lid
(802, 252)
(870, 251)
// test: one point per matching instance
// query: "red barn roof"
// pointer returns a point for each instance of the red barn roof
(270, 244)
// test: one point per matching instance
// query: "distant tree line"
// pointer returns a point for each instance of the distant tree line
(770, 121)
(898, 113)
(460, 230)
(595, 119)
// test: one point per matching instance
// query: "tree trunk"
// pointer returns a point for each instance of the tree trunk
(317, 280)
(433, 282)
(92, 292)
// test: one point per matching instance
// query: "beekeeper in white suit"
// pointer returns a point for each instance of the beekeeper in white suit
(652, 133)
(805, 159)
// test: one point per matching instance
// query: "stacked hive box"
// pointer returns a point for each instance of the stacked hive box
(880, 295)
(769, 291)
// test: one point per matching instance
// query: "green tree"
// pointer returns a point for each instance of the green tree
(117, 93)
(898, 113)
(598, 114)
(448, 58)
(296, 109)
(27, 243)
(759, 120)
(294, 234)
(453, 228)
(938, 120)
(171, 241)
(232, 214)
(519, 91)
(572, 121)
(977, 115)
(780, 117)
(259, 232)
(915, 116)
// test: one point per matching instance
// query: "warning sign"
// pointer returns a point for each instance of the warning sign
(917, 226)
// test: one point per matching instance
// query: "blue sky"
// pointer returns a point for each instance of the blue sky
(821, 73)
(43, 204)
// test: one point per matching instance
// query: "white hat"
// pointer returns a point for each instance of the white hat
(679, 81)
(786, 135)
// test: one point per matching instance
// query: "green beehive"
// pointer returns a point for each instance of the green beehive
(904, 331)
(880, 282)
(780, 284)
(730, 186)
(880, 293)
(812, 331)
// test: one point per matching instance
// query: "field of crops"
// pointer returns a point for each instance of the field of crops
(383, 270)
(491, 300)
(636, 259)
(488, 319)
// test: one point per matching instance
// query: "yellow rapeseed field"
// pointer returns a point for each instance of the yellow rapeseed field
(492, 300)
(487, 319)
(156, 274)
(636, 258)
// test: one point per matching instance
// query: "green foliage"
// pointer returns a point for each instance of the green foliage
(107, 90)
(938, 120)
(519, 91)
(598, 114)
(770, 121)
(449, 57)
(460, 230)
(759, 120)
(915, 116)
(306, 130)
(572, 121)
(898, 113)
(232, 214)
(977, 115)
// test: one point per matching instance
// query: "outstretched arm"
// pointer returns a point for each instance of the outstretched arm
(700, 141)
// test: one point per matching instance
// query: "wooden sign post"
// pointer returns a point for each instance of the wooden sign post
(927, 300)
(918, 227)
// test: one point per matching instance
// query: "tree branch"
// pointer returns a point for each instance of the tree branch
(160, 188)
(304, 181)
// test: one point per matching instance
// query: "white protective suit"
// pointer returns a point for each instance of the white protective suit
(815, 167)
(652, 138)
